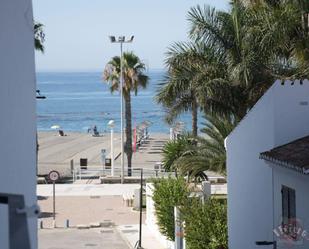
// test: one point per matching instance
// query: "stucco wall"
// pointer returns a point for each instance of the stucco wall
(17, 107)
(151, 219)
(277, 118)
(300, 183)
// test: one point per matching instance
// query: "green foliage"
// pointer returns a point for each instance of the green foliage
(175, 149)
(205, 224)
(231, 59)
(39, 37)
(192, 156)
(168, 193)
(133, 73)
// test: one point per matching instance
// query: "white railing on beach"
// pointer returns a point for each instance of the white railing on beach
(97, 172)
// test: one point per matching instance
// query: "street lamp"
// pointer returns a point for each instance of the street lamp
(111, 125)
(121, 40)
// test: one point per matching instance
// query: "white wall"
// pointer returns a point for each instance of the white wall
(277, 118)
(17, 105)
(151, 219)
(300, 183)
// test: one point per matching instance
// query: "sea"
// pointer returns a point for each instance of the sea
(76, 101)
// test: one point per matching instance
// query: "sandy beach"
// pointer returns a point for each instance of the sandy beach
(55, 152)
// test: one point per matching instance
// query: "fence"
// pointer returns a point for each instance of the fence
(96, 172)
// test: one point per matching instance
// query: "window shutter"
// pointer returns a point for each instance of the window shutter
(285, 204)
(292, 204)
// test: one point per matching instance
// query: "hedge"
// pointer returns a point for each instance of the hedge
(168, 193)
(205, 223)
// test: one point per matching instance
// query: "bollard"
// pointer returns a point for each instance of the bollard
(67, 223)
(136, 202)
(206, 188)
(41, 224)
(54, 224)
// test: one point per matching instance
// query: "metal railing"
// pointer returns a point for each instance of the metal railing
(97, 172)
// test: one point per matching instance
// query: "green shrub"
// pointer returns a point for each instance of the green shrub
(168, 193)
(205, 224)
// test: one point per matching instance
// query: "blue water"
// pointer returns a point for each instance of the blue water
(78, 100)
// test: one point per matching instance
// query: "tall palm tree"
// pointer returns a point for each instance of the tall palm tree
(227, 33)
(134, 78)
(260, 41)
(192, 70)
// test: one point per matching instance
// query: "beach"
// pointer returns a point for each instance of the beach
(56, 152)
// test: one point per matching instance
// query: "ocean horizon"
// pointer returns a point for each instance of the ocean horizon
(78, 100)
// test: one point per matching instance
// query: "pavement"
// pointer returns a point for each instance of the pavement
(87, 205)
(130, 233)
(55, 152)
(85, 210)
(86, 189)
(80, 239)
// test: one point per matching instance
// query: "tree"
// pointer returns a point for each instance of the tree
(244, 51)
(168, 193)
(133, 78)
(39, 37)
(260, 41)
(210, 154)
(193, 157)
(175, 149)
(205, 224)
(192, 68)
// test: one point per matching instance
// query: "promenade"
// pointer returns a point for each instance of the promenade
(55, 152)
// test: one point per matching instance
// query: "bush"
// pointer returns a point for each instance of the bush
(168, 193)
(205, 224)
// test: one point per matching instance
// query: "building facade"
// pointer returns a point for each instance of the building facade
(279, 117)
(17, 125)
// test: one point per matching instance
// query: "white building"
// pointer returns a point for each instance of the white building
(17, 125)
(267, 184)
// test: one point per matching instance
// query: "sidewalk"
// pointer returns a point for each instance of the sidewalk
(130, 233)
(86, 189)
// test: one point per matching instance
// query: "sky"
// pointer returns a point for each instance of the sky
(77, 30)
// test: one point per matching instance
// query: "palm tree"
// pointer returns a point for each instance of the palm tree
(206, 153)
(174, 149)
(227, 33)
(193, 68)
(259, 41)
(39, 37)
(134, 78)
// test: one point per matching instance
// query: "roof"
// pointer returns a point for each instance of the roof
(294, 155)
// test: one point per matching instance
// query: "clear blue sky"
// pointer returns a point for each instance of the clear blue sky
(77, 30)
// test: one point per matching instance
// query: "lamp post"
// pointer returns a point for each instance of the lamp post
(121, 40)
(111, 125)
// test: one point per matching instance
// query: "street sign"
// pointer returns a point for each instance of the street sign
(53, 175)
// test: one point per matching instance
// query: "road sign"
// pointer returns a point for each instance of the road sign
(53, 175)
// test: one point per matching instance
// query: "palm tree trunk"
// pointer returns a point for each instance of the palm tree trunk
(128, 144)
(194, 117)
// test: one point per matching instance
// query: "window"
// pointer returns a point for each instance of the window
(288, 210)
